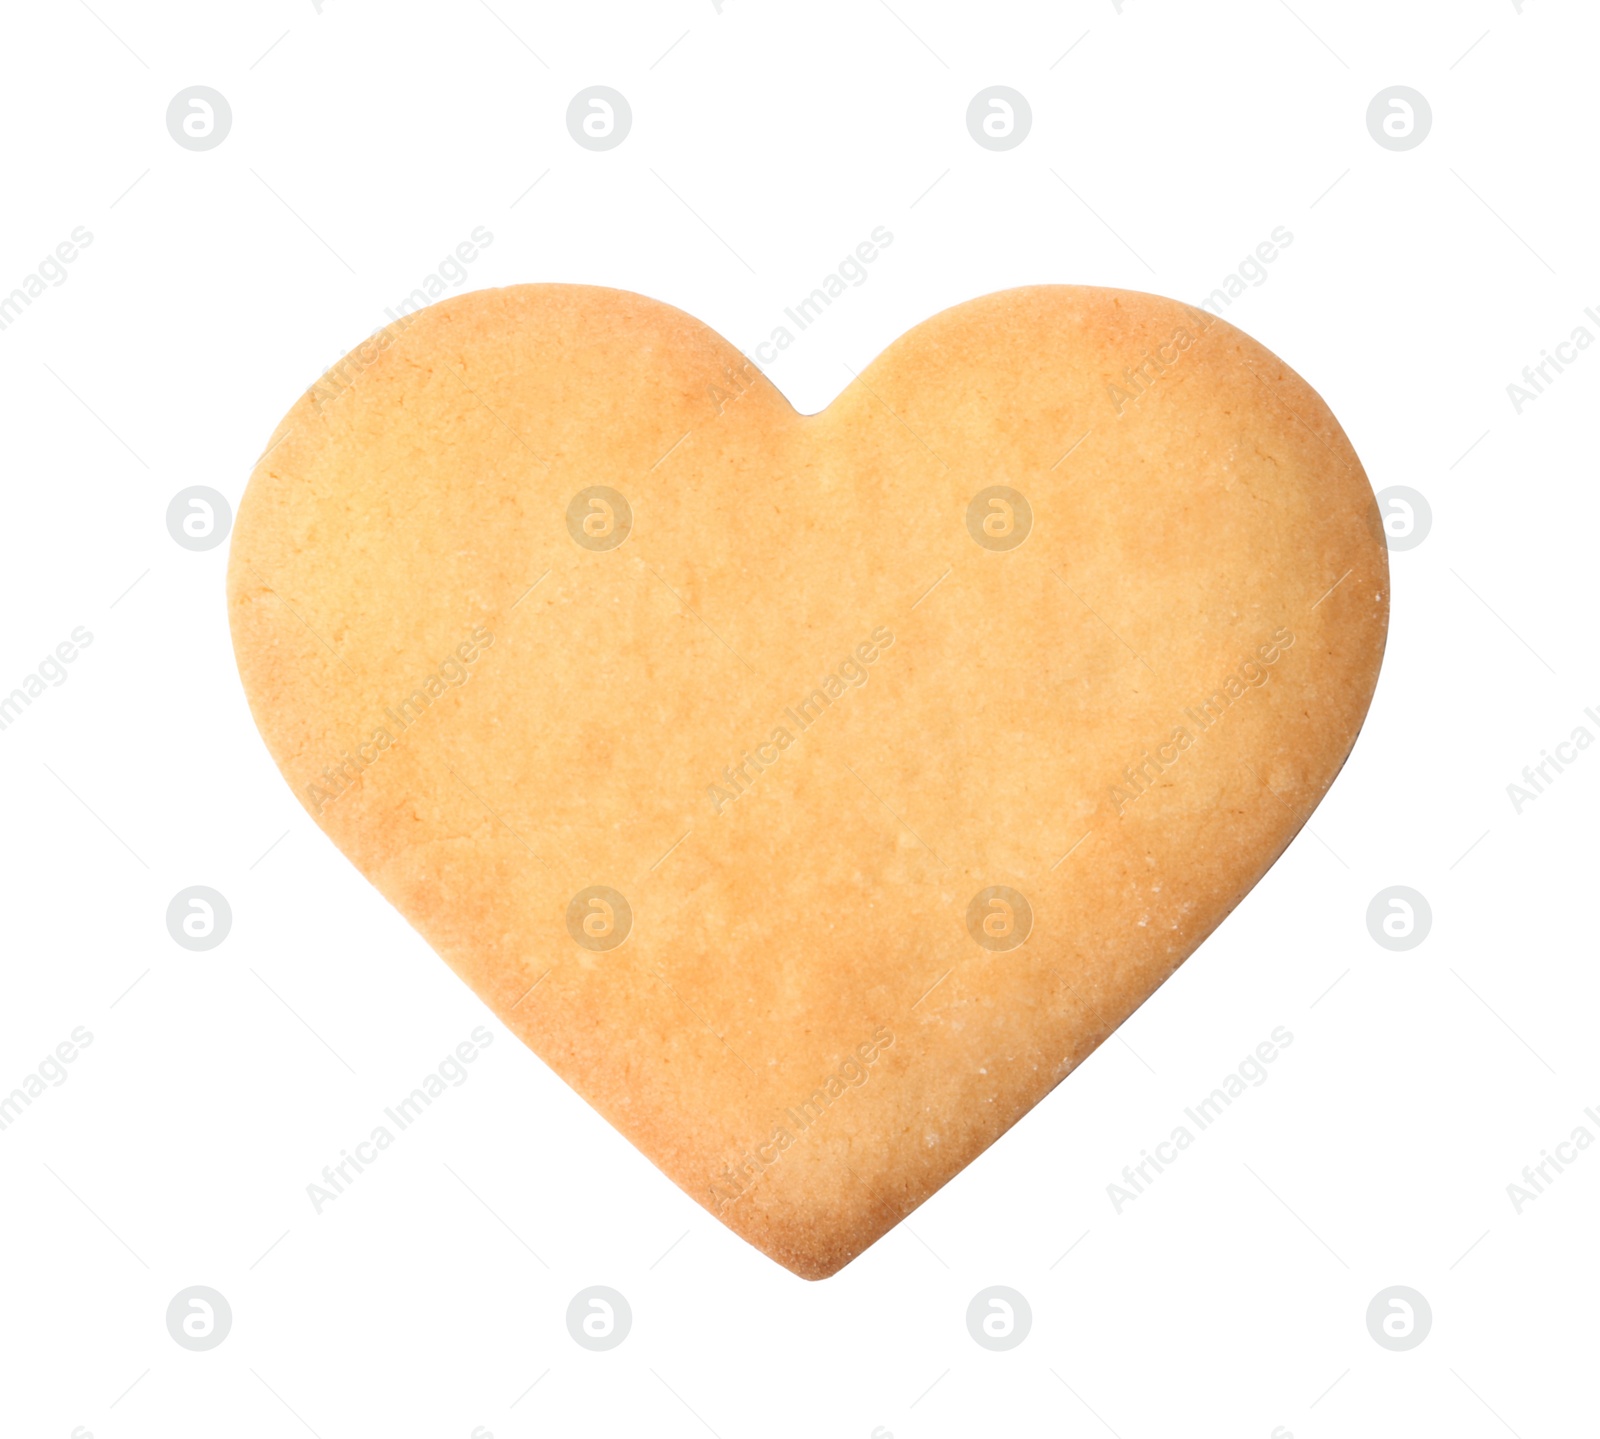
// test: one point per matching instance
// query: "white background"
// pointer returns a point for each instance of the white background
(767, 141)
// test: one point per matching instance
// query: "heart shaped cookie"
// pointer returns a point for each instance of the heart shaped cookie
(811, 792)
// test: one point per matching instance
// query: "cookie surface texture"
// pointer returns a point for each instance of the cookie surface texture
(810, 793)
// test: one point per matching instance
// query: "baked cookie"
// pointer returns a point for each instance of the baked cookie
(811, 792)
